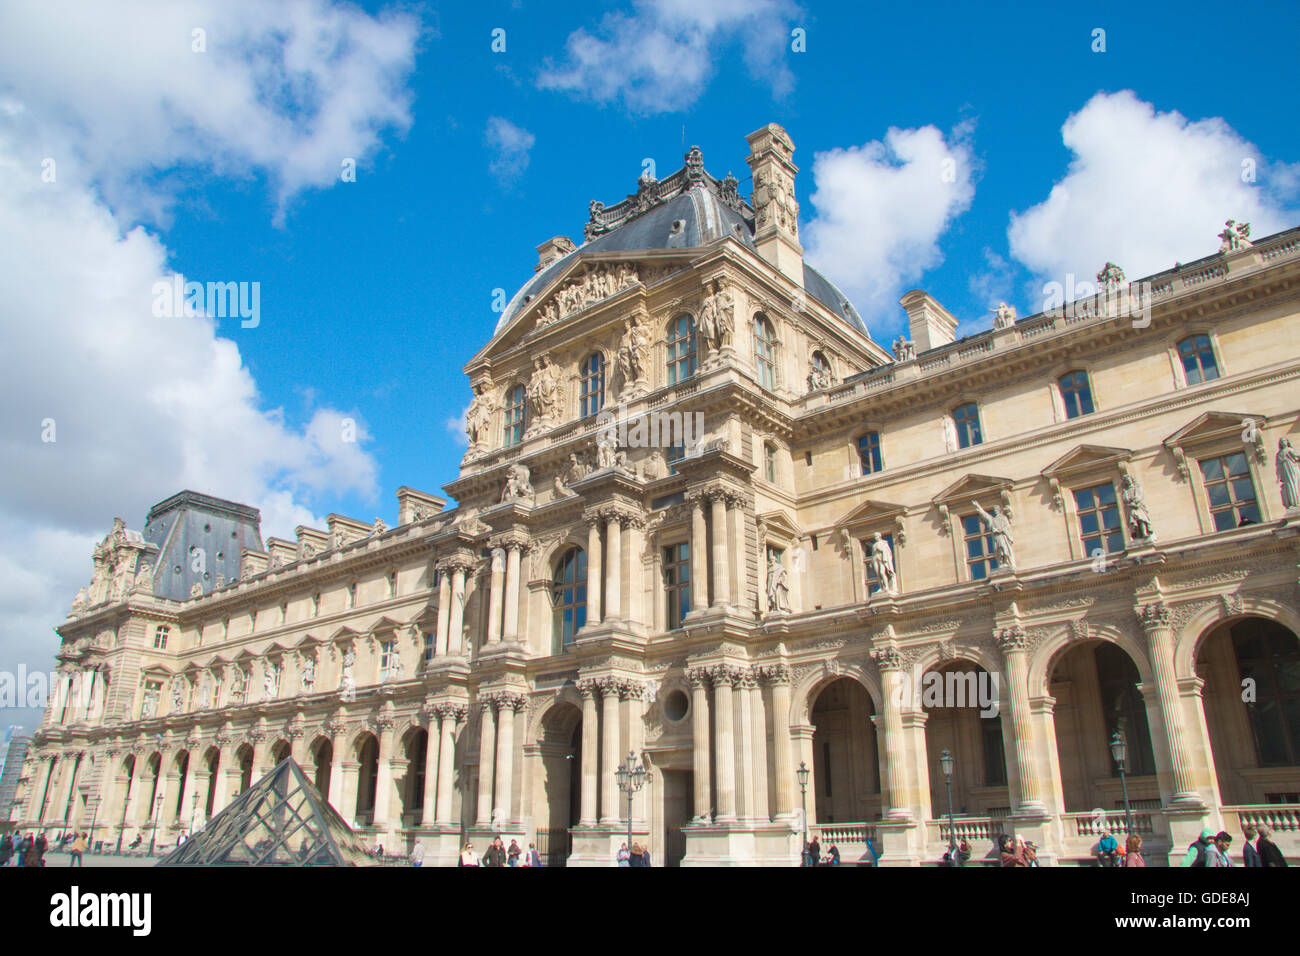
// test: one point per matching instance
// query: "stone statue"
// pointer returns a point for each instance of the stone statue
(1139, 519)
(606, 448)
(882, 565)
(778, 584)
(623, 463)
(819, 377)
(1111, 277)
(1004, 316)
(478, 417)
(999, 526)
(716, 321)
(79, 602)
(348, 680)
(309, 675)
(543, 392)
(219, 582)
(150, 703)
(575, 470)
(196, 590)
(269, 676)
(394, 667)
(518, 483)
(143, 582)
(205, 691)
(655, 467)
(239, 686)
(1235, 236)
(1288, 474)
(178, 696)
(633, 357)
(379, 527)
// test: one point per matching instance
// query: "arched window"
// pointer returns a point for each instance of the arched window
(1198, 359)
(869, 453)
(514, 412)
(1076, 394)
(966, 419)
(569, 597)
(769, 462)
(765, 352)
(593, 385)
(681, 349)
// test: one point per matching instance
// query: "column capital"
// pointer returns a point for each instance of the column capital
(1155, 616)
(773, 674)
(725, 674)
(588, 687)
(888, 658)
(1012, 639)
(698, 677)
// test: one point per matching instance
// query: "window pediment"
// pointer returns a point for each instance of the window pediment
(873, 514)
(1217, 431)
(971, 488)
(1084, 461)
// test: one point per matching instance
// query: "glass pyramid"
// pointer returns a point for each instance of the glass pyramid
(281, 820)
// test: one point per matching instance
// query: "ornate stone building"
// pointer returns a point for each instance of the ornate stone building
(706, 520)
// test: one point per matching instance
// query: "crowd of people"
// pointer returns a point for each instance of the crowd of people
(814, 855)
(639, 855)
(497, 854)
(24, 849)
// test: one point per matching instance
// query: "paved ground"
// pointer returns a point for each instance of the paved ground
(102, 859)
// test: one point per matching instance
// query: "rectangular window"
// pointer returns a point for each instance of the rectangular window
(675, 454)
(869, 453)
(428, 647)
(388, 657)
(966, 418)
(979, 548)
(160, 638)
(392, 584)
(1230, 491)
(769, 463)
(352, 595)
(995, 757)
(677, 582)
(1100, 528)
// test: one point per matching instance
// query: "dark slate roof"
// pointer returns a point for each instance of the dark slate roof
(189, 522)
(687, 210)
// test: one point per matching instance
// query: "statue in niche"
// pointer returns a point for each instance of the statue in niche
(606, 449)
(478, 417)
(778, 584)
(716, 321)
(150, 703)
(819, 377)
(543, 392)
(348, 680)
(1139, 519)
(270, 677)
(1288, 474)
(633, 356)
(309, 674)
(882, 565)
(999, 526)
(205, 691)
(178, 696)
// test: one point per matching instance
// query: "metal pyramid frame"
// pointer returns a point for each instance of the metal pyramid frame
(281, 820)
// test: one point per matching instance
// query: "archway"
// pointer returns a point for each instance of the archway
(560, 748)
(846, 760)
(322, 755)
(177, 808)
(415, 746)
(1251, 669)
(972, 733)
(280, 751)
(212, 761)
(367, 751)
(244, 761)
(1095, 685)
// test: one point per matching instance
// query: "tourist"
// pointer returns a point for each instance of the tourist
(623, 857)
(1010, 854)
(78, 847)
(6, 849)
(417, 855)
(34, 854)
(949, 857)
(1107, 849)
(1249, 855)
(468, 857)
(814, 851)
(1029, 851)
(512, 857)
(496, 854)
(42, 845)
(533, 858)
(634, 856)
(833, 855)
(1269, 854)
(645, 854)
(1216, 854)
(20, 847)
(1133, 851)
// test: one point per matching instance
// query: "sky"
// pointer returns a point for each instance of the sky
(383, 172)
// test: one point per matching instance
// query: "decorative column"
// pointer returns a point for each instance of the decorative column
(632, 694)
(335, 729)
(514, 555)
(634, 579)
(590, 752)
(757, 733)
(298, 742)
(487, 732)
(736, 538)
(190, 791)
(444, 611)
(721, 565)
(449, 715)
(593, 572)
(610, 745)
(507, 705)
(725, 748)
(429, 800)
(456, 618)
(261, 743)
(778, 676)
(1014, 642)
(614, 567)
(384, 776)
(39, 794)
(699, 555)
(699, 679)
(1155, 621)
(221, 787)
(494, 595)
(894, 678)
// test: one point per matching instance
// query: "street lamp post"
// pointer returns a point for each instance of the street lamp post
(946, 761)
(153, 830)
(631, 777)
(1119, 750)
(802, 774)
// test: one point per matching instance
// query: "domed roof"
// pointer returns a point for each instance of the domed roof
(688, 209)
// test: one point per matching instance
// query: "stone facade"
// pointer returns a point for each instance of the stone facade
(768, 586)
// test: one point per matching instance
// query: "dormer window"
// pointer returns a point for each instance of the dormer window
(514, 416)
(160, 637)
(681, 349)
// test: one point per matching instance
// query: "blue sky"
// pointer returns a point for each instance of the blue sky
(223, 165)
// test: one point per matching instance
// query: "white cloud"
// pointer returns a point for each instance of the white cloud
(510, 145)
(144, 406)
(1147, 189)
(456, 428)
(881, 209)
(660, 58)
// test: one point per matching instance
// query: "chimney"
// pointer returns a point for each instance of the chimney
(553, 249)
(776, 213)
(929, 324)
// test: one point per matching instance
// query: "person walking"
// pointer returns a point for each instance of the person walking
(468, 857)
(1133, 851)
(20, 848)
(1216, 854)
(1249, 855)
(496, 854)
(78, 847)
(42, 845)
(1197, 851)
(6, 849)
(32, 856)
(512, 857)
(1269, 854)
(814, 851)
(534, 859)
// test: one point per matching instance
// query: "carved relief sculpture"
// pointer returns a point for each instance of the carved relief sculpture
(478, 417)
(543, 394)
(518, 483)
(1288, 474)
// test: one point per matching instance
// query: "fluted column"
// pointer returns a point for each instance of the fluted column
(1014, 642)
(487, 732)
(757, 733)
(894, 677)
(699, 680)
(221, 786)
(429, 799)
(634, 579)
(590, 752)
(725, 745)
(40, 795)
(778, 676)
(593, 571)
(456, 617)
(721, 564)
(510, 625)
(614, 568)
(384, 776)
(261, 745)
(736, 539)
(609, 750)
(444, 611)
(1155, 621)
(188, 802)
(449, 717)
(505, 760)
(631, 694)
(495, 587)
(298, 744)
(699, 556)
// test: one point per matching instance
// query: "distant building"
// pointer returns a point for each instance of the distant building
(11, 776)
(705, 518)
